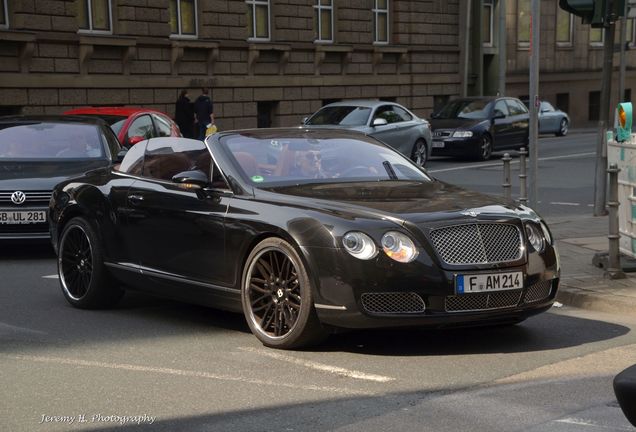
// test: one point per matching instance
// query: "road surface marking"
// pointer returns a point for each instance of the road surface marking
(515, 161)
(53, 276)
(319, 366)
(565, 203)
(584, 422)
(6, 328)
(179, 372)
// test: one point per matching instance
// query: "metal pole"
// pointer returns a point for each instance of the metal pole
(502, 48)
(621, 71)
(535, 40)
(465, 61)
(506, 185)
(523, 182)
(600, 184)
(614, 270)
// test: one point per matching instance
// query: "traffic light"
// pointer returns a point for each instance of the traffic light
(598, 13)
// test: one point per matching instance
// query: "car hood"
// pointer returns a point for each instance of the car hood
(43, 175)
(413, 202)
(456, 123)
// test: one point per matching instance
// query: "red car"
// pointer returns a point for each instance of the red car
(132, 125)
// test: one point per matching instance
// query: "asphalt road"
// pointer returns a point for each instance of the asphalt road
(196, 369)
(565, 180)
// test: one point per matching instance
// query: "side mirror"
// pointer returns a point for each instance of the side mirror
(134, 140)
(195, 179)
(433, 116)
(120, 156)
(305, 120)
(498, 115)
(379, 122)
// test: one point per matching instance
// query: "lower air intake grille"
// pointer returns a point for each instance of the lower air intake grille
(537, 292)
(482, 301)
(393, 303)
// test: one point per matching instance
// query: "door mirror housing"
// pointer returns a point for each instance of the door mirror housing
(134, 140)
(195, 179)
(305, 120)
(379, 122)
(120, 156)
(498, 115)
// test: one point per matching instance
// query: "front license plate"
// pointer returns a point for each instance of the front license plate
(22, 217)
(438, 144)
(482, 282)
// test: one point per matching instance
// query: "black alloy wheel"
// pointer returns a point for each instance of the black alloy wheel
(277, 297)
(484, 149)
(563, 127)
(85, 282)
(420, 153)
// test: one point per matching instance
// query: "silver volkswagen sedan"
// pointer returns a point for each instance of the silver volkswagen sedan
(389, 122)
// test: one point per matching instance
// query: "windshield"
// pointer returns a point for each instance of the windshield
(114, 121)
(50, 141)
(462, 108)
(303, 160)
(341, 116)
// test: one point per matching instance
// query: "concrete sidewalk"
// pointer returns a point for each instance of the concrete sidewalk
(582, 284)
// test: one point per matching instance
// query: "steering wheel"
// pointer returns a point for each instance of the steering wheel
(360, 170)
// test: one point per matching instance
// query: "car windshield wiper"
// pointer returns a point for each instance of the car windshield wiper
(389, 170)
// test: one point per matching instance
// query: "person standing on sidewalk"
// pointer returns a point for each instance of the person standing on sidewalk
(204, 111)
(184, 114)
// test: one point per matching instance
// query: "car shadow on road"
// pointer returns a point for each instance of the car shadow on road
(26, 250)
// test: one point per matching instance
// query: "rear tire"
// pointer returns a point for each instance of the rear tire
(484, 148)
(419, 155)
(563, 128)
(84, 280)
(277, 297)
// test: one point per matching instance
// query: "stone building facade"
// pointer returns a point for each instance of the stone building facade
(268, 62)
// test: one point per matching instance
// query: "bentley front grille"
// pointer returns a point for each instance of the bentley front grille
(477, 243)
(482, 301)
(393, 303)
(538, 292)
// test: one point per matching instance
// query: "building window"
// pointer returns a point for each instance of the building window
(563, 101)
(258, 19)
(266, 112)
(594, 105)
(323, 20)
(629, 23)
(597, 36)
(94, 16)
(564, 25)
(4, 15)
(183, 17)
(487, 20)
(523, 23)
(381, 21)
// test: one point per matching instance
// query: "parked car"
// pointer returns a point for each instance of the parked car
(475, 127)
(387, 121)
(625, 391)
(36, 153)
(551, 120)
(132, 125)
(303, 230)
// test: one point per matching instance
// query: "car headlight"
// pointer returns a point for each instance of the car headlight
(359, 245)
(462, 134)
(535, 237)
(546, 232)
(399, 247)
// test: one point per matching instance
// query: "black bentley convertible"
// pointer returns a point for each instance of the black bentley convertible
(303, 231)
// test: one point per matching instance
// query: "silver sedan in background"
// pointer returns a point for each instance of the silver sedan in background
(551, 120)
(389, 122)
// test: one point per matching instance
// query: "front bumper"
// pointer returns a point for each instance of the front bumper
(456, 146)
(344, 285)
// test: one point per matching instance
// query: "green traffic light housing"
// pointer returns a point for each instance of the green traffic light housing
(624, 122)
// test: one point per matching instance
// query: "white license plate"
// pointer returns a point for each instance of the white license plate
(482, 282)
(438, 144)
(22, 217)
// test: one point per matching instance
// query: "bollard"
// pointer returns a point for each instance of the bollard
(523, 177)
(506, 176)
(614, 270)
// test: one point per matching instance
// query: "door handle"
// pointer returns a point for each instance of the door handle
(136, 199)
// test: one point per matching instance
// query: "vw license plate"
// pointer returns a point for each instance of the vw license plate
(23, 217)
(483, 282)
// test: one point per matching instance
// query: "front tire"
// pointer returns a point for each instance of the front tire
(564, 126)
(484, 149)
(84, 280)
(419, 155)
(277, 297)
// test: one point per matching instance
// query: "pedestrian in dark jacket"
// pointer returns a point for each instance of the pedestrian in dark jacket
(184, 114)
(204, 111)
